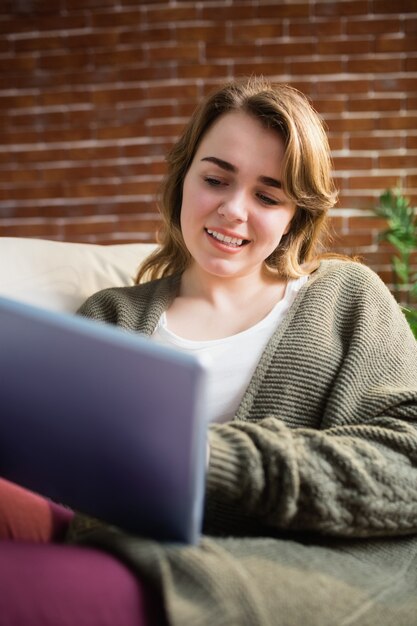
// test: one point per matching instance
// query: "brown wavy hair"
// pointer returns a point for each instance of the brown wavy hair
(306, 175)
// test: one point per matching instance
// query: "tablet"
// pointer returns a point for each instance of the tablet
(103, 420)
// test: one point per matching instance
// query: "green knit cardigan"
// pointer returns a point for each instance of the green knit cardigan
(311, 492)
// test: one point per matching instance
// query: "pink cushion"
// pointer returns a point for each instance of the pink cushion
(57, 585)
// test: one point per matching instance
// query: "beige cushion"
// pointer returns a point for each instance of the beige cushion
(59, 275)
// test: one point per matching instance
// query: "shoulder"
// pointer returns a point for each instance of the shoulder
(128, 306)
(347, 271)
(350, 280)
(355, 297)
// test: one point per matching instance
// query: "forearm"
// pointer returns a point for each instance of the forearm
(358, 481)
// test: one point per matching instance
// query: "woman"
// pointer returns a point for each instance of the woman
(311, 491)
(314, 382)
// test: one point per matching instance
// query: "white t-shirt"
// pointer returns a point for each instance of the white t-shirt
(232, 360)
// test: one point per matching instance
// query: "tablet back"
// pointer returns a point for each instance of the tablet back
(103, 420)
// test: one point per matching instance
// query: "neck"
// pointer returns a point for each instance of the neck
(218, 290)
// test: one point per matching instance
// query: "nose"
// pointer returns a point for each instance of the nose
(234, 208)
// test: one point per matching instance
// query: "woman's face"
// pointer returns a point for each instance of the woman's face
(234, 211)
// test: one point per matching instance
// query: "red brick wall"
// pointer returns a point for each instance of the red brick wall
(93, 92)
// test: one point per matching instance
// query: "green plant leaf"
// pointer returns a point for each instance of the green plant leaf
(401, 269)
(411, 316)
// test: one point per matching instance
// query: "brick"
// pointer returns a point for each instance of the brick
(411, 181)
(232, 51)
(44, 230)
(221, 13)
(400, 161)
(287, 49)
(72, 5)
(281, 10)
(91, 190)
(20, 63)
(344, 8)
(172, 91)
(374, 26)
(410, 25)
(114, 19)
(366, 103)
(411, 142)
(6, 46)
(398, 122)
(18, 176)
(33, 43)
(329, 105)
(354, 241)
(185, 109)
(58, 22)
(170, 129)
(66, 135)
(347, 86)
(263, 68)
(108, 96)
(249, 32)
(127, 56)
(215, 32)
(37, 156)
(61, 79)
(351, 125)
(375, 224)
(121, 131)
(170, 15)
(149, 168)
(11, 138)
(141, 150)
(41, 6)
(395, 43)
(178, 52)
(379, 258)
(394, 6)
(410, 64)
(336, 142)
(372, 182)
(144, 34)
(411, 103)
(316, 28)
(64, 61)
(352, 163)
(372, 142)
(364, 200)
(316, 67)
(143, 72)
(63, 174)
(105, 39)
(142, 112)
(347, 46)
(32, 192)
(394, 84)
(373, 65)
(55, 98)
(206, 70)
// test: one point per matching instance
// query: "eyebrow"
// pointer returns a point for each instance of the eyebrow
(229, 167)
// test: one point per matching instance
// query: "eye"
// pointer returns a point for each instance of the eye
(212, 182)
(266, 199)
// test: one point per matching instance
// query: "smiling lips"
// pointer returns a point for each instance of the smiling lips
(233, 242)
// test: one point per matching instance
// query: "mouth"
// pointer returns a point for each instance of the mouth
(233, 242)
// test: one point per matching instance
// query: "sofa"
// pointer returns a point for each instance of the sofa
(52, 584)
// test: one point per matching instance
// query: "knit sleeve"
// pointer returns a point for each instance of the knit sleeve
(355, 474)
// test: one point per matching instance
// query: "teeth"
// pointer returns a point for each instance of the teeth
(225, 238)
